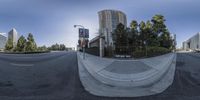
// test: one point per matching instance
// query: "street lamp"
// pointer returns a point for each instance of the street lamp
(83, 38)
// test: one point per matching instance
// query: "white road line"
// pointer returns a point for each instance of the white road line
(22, 65)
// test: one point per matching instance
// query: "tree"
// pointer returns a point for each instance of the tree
(148, 32)
(21, 44)
(120, 39)
(158, 24)
(42, 48)
(55, 47)
(165, 40)
(30, 44)
(142, 34)
(62, 47)
(152, 33)
(147, 37)
(134, 26)
(161, 30)
(151, 38)
(133, 35)
(9, 45)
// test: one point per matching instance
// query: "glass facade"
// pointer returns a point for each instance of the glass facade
(108, 21)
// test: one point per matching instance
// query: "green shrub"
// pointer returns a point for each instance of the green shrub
(151, 52)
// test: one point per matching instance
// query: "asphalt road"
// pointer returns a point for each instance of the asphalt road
(54, 76)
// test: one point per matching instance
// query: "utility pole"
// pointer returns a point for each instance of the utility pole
(83, 38)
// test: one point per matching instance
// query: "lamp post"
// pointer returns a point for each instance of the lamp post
(83, 38)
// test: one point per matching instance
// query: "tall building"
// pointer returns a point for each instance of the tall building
(192, 43)
(3, 40)
(108, 21)
(13, 35)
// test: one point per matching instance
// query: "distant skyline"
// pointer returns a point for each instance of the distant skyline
(51, 21)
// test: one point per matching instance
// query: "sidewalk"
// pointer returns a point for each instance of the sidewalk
(126, 78)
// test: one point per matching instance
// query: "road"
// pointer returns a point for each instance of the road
(54, 76)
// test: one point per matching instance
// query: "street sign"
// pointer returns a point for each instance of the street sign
(81, 32)
(84, 33)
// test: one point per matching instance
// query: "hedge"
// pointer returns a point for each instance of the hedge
(151, 52)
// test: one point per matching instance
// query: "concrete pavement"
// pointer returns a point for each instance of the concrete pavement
(127, 78)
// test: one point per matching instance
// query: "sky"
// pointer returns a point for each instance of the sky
(51, 21)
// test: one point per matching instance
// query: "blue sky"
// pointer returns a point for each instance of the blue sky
(51, 21)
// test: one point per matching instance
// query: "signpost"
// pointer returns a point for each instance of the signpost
(86, 33)
(83, 33)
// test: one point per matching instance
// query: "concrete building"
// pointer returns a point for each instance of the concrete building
(192, 43)
(13, 35)
(3, 40)
(108, 21)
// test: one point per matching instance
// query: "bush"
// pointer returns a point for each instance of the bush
(139, 54)
(151, 52)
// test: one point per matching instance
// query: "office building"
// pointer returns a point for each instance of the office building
(13, 35)
(108, 21)
(192, 43)
(3, 40)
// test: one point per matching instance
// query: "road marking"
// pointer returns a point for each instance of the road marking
(22, 65)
